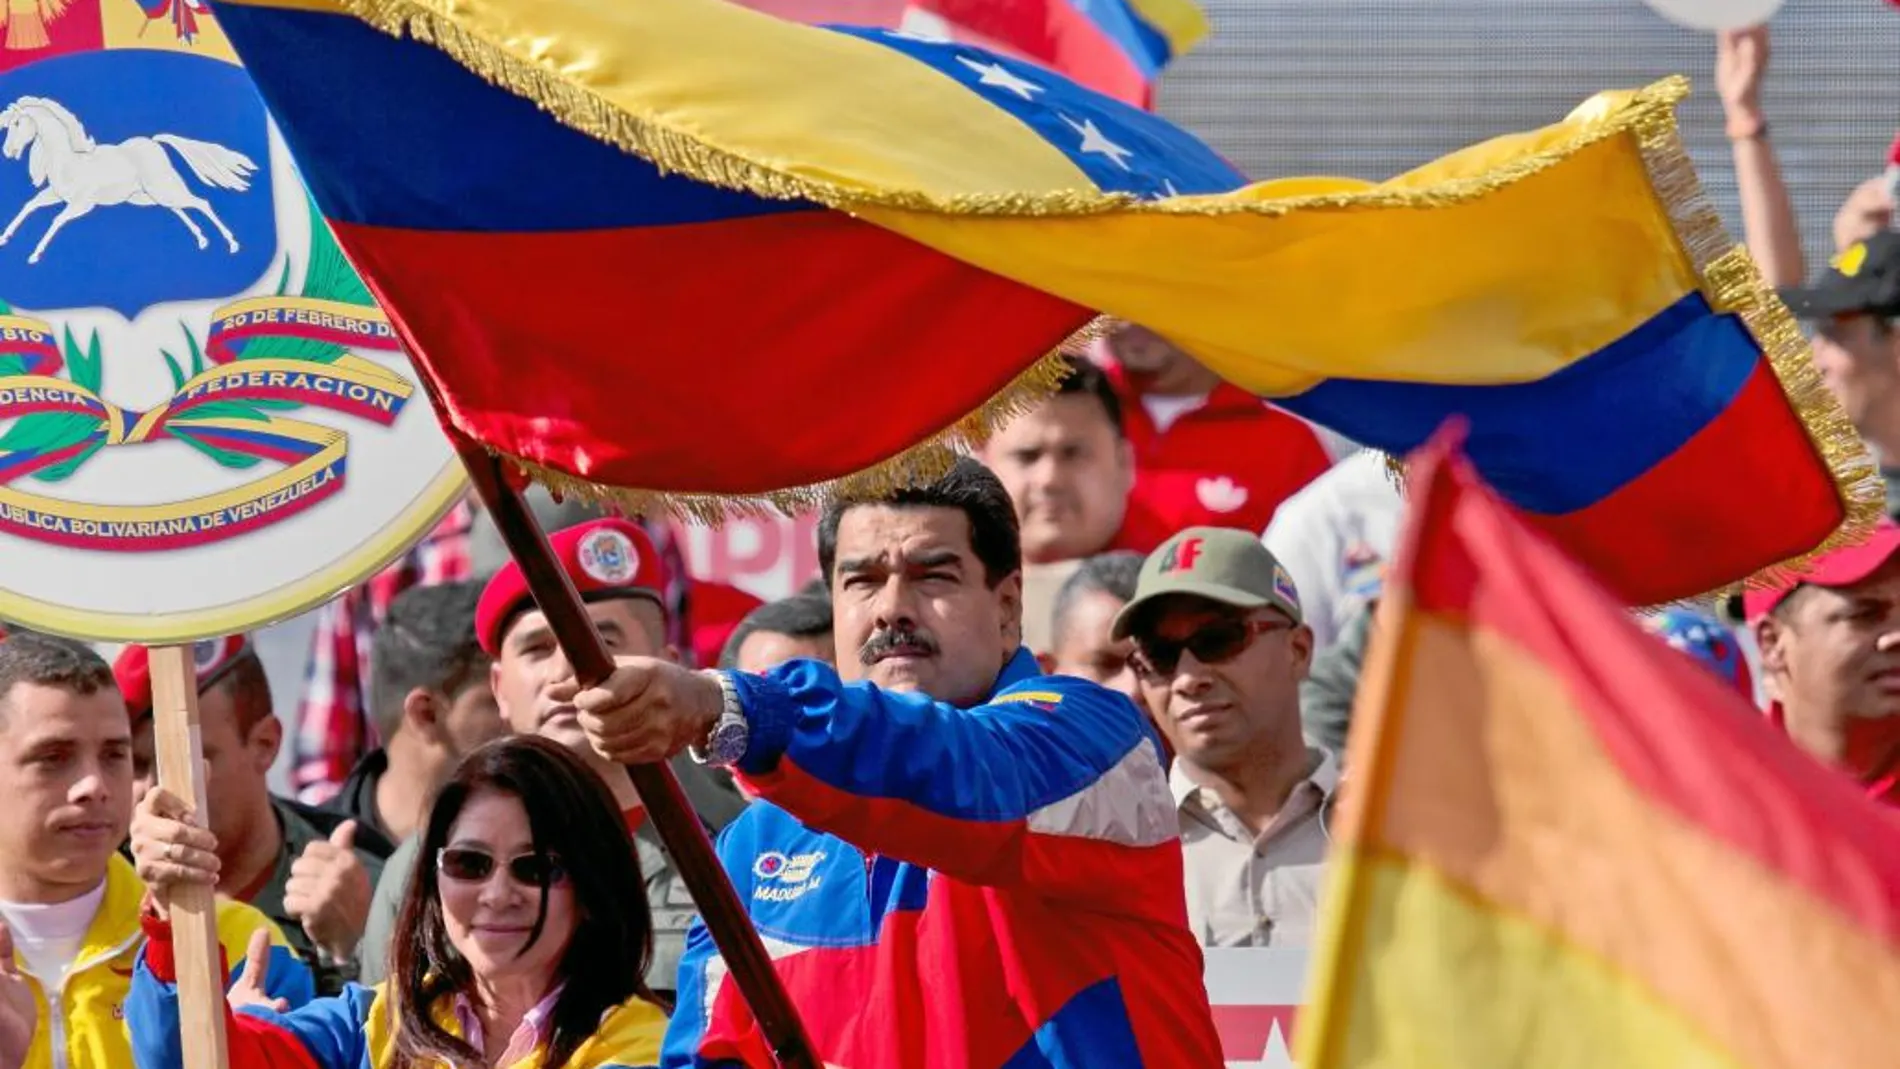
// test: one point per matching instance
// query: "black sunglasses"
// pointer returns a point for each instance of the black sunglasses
(468, 865)
(1212, 643)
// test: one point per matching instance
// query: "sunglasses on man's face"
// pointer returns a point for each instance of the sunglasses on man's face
(1211, 643)
(467, 865)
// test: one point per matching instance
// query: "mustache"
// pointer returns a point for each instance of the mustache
(882, 644)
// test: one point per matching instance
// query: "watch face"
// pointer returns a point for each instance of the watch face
(728, 742)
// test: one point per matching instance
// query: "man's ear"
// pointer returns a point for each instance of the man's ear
(1301, 641)
(1009, 595)
(1771, 640)
(267, 737)
(421, 711)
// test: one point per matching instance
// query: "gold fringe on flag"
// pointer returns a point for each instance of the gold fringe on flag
(1733, 284)
(921, 463)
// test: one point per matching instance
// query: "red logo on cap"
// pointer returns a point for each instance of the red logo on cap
(1182, 555)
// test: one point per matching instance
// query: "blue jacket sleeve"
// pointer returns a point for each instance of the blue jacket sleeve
(1054, 784)
(322, 1034)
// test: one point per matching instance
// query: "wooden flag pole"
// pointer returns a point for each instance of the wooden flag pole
(193, 908)
(684, 836)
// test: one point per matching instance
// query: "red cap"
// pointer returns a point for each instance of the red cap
(212, 657)
(604, 558)
(1842, 567)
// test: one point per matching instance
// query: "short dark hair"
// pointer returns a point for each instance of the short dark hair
(969, 488)
(1084, 378)
(800, 616)
(249, 689)
(426, 640)
(51, 661)
(571, 815)
(1114, 574)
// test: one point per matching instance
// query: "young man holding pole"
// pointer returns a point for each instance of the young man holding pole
(70, 902)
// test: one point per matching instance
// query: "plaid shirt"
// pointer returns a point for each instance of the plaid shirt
(333, 725)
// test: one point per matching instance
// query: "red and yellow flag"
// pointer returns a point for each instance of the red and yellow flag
(1567, 845)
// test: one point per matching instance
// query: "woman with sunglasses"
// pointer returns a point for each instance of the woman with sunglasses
(511, 955)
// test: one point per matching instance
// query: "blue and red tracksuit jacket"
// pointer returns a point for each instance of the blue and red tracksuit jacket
(942, 887)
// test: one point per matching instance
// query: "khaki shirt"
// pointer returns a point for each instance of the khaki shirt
(671, 907)
(1247, 890)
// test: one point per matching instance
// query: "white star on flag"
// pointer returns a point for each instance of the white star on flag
(1093, 140)
(995, 74)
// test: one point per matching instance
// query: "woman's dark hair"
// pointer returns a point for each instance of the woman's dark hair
(571, 814)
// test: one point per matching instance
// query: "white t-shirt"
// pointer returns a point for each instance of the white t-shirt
(49, 936)
(1164, 410)
(1334, 537)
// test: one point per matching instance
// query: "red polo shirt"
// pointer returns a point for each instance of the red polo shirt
(1868, 741)
(1228, 462)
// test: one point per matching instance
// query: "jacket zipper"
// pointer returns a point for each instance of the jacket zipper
(56, 998)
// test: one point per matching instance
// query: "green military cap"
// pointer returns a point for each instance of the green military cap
(1221, 564)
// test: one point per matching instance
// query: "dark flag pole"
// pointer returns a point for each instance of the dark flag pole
(685, 838)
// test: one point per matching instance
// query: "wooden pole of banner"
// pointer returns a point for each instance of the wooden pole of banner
(685, 838)
(193, 909)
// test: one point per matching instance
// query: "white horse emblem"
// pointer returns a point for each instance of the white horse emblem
(68, 167)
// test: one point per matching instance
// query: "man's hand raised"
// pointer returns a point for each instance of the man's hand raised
(329, 892)
(648, 710)
(19, 1011)
(251, 988)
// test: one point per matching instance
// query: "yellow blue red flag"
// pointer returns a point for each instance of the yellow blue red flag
(1567, 844)
(1115, 47)
(677, 248)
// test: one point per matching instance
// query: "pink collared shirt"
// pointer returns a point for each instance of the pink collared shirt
(528, 1035)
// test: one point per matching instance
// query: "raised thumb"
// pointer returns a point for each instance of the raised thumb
(256, 960)
(344, 837)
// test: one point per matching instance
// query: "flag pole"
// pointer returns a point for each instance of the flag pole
(194, 914)
(685, 838)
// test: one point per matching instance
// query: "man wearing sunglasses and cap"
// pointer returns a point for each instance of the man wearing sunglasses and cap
(1830, 658)
(1220, 651)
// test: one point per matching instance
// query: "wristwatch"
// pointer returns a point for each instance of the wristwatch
(726, 743)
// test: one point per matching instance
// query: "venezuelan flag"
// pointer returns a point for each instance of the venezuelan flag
(1566, 844)
(1115, 47)
(680, 251)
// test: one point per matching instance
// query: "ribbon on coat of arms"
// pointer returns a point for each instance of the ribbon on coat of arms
(225, 411)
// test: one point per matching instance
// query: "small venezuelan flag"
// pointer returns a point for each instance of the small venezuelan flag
(680, 251)
(1565, 844)
(1115, 47)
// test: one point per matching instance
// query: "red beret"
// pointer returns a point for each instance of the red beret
(212, 657)
(604, 558)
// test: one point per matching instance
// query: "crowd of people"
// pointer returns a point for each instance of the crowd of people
(1038, 732)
